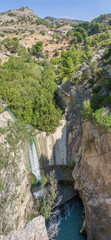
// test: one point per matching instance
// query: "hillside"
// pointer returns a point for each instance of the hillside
(104, 19)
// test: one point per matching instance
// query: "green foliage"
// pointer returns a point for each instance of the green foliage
(95, 28)
(76, 79)
(107, 83)
(93, 65)
(29, 92)
(42, 33)
(96, 101)
(87, 75)
(98, 73)
(11, 44)
(32, 31)
(43, 22)
(37, 48)
(44, 205)
(2, 34)
(102, 118)
(87, 110)
(107, 52)
(96, 88)
(69, 62)
(56, 54)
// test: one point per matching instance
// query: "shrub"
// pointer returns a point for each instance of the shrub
(87, 110)
(56, 54)
(32, 31)
(102, 118)
(37, 48)
(42, 33)
(96, 101)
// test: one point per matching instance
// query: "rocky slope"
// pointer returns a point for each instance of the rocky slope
(29, 28)
(34, 230)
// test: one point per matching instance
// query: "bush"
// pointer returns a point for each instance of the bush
(96, 101)
(56, 54)
(37, 48)
(32, 31)
(42, 33)
(102, 118)
(87, 110)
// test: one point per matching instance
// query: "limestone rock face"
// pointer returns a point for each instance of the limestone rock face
(95, 181)
(52, 148)
(34, 230)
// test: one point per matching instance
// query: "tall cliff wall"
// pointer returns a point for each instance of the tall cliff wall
(94, 182)
(52, 149)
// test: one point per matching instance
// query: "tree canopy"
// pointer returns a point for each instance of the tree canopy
(30, 92)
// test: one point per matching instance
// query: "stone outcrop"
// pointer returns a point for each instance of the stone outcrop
(94, 182)
(52, 149)
(34, 230)
(14, 15)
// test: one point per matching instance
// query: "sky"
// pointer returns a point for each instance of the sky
(72, 9)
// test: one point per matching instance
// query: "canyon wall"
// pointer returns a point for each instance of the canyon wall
(52, 149)
(94, 182)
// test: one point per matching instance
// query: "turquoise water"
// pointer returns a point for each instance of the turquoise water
(71, 222)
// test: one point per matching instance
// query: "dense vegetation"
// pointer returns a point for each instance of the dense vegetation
(30, 92)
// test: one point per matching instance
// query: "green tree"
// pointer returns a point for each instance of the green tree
(87, 110)
(37, 48)
(30, 92)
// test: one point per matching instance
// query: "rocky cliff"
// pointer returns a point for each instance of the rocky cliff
(52, 149)
(95, 181)
(89, 147)
(34, 230)
(15, 195)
